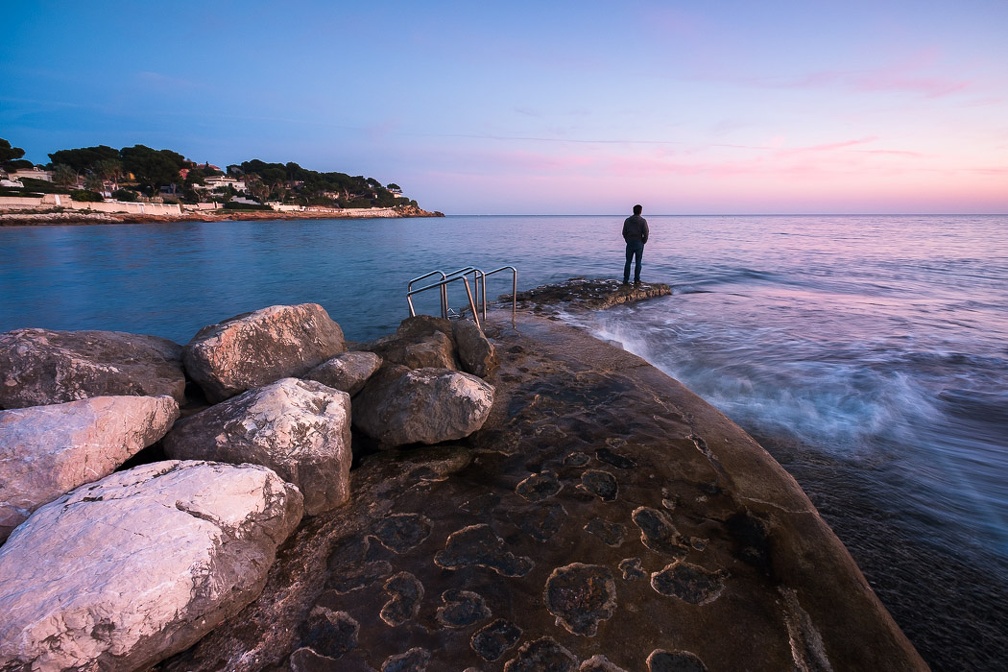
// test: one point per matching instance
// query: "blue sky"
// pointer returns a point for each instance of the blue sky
(546, 107)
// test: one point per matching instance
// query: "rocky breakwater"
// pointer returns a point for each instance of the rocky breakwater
(576, 509)
(146, 487)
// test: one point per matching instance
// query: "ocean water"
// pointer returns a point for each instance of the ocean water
(869, 354)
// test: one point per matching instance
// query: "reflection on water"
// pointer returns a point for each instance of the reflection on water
(868, 354)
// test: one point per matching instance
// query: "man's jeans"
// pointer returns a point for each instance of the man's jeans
(634, 250)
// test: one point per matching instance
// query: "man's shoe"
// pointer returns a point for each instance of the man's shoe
(636, 283)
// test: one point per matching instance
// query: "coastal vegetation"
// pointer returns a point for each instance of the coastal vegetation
(162, 175)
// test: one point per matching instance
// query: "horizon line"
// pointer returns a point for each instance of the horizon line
(739, 214)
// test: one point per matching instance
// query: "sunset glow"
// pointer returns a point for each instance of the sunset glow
(565, 107)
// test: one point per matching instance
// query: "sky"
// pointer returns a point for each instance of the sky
(687, 107)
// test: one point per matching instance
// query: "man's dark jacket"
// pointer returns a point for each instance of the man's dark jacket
(635, 228)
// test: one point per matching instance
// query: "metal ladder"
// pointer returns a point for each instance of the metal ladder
(475, 301)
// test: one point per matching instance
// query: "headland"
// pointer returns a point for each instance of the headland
(63, 217)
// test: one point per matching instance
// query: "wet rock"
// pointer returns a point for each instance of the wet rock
(461, 609)
(41, 366)
(612, 534)
(255, 349)
(632, 569)
(542, 655)
(479, 546)
(657, 532)
(142, 564)
(414, 660)
(559, 394)
(349, 568)
(400, 406)
(690, 583)
(599, 663)
(47, 451)
(538, 487)
(539, 522)
(330, 633)
(589, 294)
(806, 641)
(402, 532)
(347, 372)
(406, 592)
(600, 483)
(617, 460)
(674, 661)
(298, 428)
(307, 659)
(581, 596)
(475, 351)
(494, 640)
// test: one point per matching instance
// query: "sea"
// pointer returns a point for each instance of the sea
(868, 354)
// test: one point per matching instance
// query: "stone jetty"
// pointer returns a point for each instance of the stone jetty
(446, 498)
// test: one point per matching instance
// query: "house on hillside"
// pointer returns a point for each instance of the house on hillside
(35, 173)
(221, 182)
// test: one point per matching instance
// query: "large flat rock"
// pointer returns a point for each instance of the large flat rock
(603, 516)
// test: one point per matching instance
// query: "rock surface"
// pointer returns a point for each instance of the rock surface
(476, 353)
(119, 574)
(420, 342)
(587, 294)
(41, 366)
(298, 428)
(400, 406)
(347, 372)
(602, 515)
(46, 451)
(257, 348)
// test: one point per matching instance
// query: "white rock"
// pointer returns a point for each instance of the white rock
(298, 428)
(257, 348)
(47, 451)
(122, 573)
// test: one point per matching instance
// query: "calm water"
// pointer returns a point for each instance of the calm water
(868, 354)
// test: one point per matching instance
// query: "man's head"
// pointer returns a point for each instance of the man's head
(637, 209)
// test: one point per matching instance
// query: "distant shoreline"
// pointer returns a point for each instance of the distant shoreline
(83, 217)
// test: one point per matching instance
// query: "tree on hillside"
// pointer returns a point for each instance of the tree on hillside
(84, 159)
(110, 170)
(153, 168)
(64, 175)
(10, 157)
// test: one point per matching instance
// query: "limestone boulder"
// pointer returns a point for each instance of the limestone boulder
(347, 372)
(420, 342)
(122, 573)
(47, 451)
(399, 406)
(41, 366)
(298, 428)
(254, 349)
(475, 351)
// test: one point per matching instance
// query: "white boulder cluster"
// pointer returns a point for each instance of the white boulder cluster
(110, 568)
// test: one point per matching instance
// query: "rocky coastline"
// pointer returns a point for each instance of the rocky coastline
(517, 497)
(83, 217)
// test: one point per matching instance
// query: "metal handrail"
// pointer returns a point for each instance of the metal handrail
(443, 284)
(479, 281)
(514, 292)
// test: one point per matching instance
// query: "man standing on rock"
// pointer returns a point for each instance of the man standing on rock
(635, 233)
